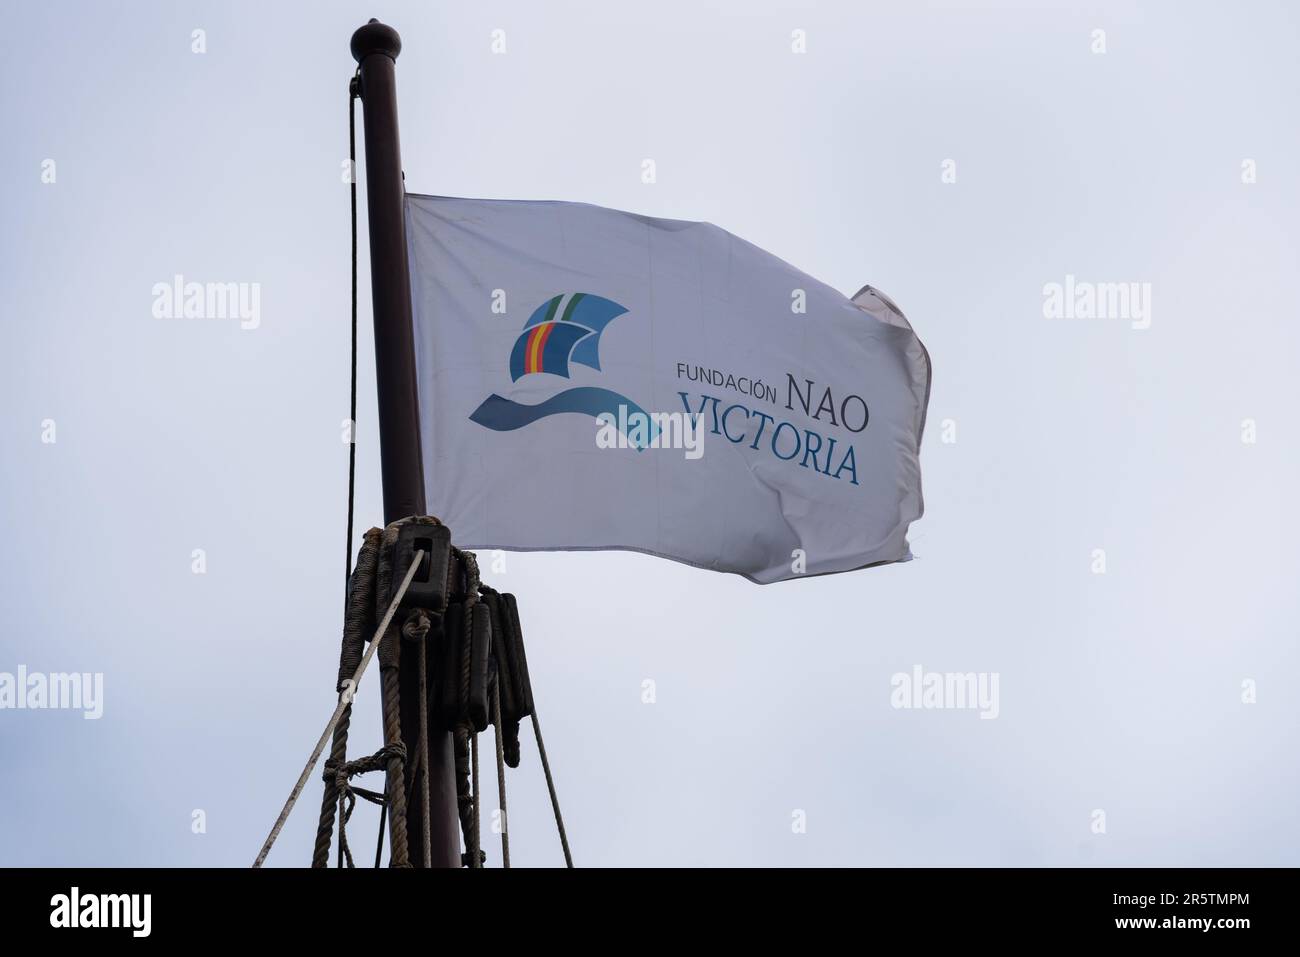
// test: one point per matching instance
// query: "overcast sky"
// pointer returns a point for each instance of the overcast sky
(958, 158)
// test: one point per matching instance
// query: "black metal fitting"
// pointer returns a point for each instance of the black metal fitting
(428, 588)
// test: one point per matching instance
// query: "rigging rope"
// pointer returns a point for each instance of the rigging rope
(416, 629)
(501, 775)
(345, 704)
(379, 842)
(482, 679)
(356, 622)
(353, 93)
(550, 786)
(476, 854)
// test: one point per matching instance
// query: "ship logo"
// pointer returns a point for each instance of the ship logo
(563, 331)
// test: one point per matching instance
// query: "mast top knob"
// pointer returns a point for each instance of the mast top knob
(375, 37)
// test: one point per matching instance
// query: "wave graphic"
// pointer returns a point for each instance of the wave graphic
(504, 415)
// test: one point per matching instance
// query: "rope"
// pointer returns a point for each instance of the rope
(339, 750)
(394, 763)
(390, 662)
(357, 624)
(459, 663)
(466, 737)
(550, 786)
(501, 776)
(417, 629)
(379, 843)
(470, 565)
(341, 775)
(464, 799)
(401, 784)
(424, 763)
(476, 855)
(354, 90)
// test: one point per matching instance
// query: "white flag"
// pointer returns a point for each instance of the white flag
(593, 379)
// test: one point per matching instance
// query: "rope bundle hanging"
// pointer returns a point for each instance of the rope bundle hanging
(371, 587)
(473, 674)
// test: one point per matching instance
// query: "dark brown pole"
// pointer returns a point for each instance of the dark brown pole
(375, 47)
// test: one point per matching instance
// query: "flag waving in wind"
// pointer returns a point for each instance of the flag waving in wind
(593, 379)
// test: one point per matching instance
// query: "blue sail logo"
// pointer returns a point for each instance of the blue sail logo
(562, 331)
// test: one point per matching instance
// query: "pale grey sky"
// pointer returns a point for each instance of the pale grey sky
(1120, 692)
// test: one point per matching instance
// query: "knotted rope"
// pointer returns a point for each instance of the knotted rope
(338, 778)
(392, 734)
(475, 661)
(358, 622)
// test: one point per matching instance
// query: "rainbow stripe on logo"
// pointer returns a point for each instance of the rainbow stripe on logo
(554, 336)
